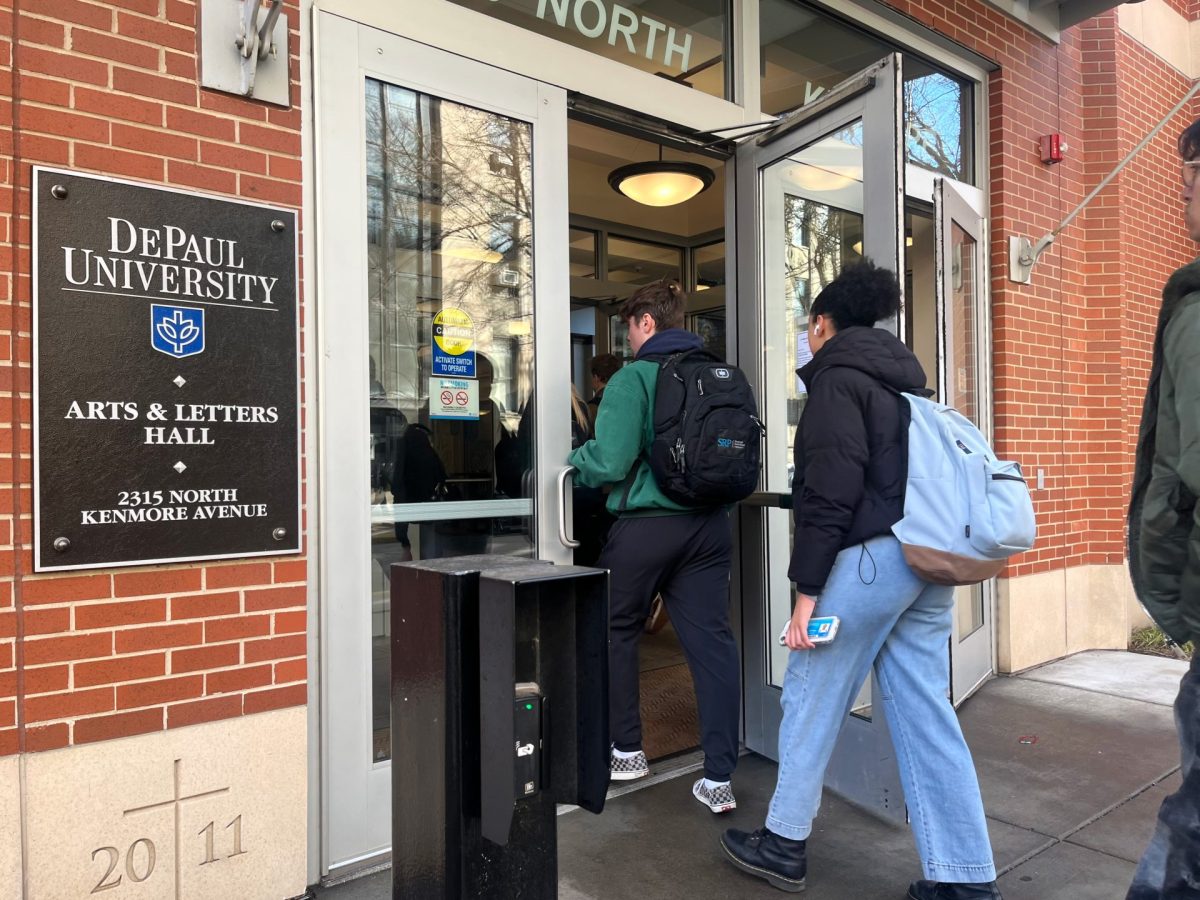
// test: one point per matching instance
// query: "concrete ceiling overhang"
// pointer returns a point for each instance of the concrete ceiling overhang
(1052, 17)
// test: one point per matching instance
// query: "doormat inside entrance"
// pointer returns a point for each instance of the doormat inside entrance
(670, 723)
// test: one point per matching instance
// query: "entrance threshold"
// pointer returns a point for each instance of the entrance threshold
(675, 767)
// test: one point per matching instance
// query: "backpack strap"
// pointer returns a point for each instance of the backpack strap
(677, 356)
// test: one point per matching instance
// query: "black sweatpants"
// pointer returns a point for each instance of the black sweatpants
(686, 558)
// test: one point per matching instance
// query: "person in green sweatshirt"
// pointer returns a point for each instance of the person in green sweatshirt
(660, 546)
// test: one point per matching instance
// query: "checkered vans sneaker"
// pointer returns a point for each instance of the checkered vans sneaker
(628, 768)
(718, 799)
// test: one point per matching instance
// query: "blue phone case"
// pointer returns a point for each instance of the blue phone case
(821, 630)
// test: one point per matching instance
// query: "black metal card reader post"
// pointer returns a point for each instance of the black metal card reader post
(499, 713)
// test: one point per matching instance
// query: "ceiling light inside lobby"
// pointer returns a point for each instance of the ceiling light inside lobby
(826, 178)
(661, 182)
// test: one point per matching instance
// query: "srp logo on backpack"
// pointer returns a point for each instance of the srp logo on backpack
(731, 446)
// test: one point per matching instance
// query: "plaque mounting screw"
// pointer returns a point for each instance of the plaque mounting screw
(277, 225)
(58, 192)
(279, 534)
(62, 545)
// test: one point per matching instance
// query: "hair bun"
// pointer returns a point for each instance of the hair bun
(862, 294)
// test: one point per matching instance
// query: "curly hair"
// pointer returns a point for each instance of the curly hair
(862, 294)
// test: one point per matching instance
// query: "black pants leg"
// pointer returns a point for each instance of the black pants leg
(635, 570)
(687, 559)
(1170, 867)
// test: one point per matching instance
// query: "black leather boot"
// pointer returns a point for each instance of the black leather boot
(782, 862)
(945, 890)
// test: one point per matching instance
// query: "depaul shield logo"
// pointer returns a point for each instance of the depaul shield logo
(177, 331)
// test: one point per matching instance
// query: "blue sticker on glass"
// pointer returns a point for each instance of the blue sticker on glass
(460, 366)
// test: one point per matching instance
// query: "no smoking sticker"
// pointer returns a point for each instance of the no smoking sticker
(453, 398)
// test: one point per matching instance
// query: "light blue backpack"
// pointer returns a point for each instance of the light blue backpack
(965, 512)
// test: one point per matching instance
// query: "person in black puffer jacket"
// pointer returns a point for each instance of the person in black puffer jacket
(851, 463)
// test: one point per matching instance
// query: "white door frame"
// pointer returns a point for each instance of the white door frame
(863, 768)
(356, 793)
(972, 658)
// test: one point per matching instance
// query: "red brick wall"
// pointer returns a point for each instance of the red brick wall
(1071, 349)
(1154, 241)
(111, 87)
(8, 617)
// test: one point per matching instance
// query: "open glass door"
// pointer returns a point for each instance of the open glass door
(959, 220)
(442, 228)
(822, 189)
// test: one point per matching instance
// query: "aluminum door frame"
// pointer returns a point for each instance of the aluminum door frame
(972, 659)
(863, 768)
(356, 792)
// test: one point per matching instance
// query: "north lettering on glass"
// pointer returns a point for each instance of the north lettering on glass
(621, 26)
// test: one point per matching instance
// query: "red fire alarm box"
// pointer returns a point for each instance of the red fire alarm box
(1052, 148)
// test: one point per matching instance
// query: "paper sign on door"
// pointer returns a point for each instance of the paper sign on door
(453, 398)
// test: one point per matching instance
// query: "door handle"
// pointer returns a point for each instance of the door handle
(563, 477)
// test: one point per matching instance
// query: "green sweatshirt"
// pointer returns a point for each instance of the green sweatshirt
(617, 454)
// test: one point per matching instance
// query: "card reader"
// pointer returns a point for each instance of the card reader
(527, 731)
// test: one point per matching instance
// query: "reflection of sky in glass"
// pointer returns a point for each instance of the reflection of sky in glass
(806, 54)
(933, 117)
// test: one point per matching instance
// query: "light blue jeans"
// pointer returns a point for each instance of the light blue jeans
(901, 625)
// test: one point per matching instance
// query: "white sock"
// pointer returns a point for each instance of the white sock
(711, 785)
(622, 754)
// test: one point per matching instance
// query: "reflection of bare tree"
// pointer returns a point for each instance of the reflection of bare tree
(933, 123)
(450, 224)
(816, 237)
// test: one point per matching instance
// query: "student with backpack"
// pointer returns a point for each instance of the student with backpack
(676, 440)
(851, 463)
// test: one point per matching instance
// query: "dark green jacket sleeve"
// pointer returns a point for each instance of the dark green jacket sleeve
(1181, 358)
(620, 433)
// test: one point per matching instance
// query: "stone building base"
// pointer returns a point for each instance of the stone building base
(1063, 612)
(212, 810)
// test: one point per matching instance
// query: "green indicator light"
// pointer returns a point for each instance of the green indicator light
(529, 706)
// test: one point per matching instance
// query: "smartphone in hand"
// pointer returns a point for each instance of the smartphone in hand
(821, 630)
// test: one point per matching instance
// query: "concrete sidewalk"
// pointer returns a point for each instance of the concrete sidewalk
(1069, 812)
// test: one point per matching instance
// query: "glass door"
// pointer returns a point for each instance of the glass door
(444, 329)
(963, 374)
(824, 188)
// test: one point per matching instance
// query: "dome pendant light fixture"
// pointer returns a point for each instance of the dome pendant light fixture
(661, 183)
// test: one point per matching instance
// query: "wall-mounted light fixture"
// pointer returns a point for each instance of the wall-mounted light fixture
(661, 182)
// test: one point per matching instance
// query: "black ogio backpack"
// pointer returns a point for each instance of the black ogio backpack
(706, 430)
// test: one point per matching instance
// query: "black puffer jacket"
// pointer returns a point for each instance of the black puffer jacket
(851, 448)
